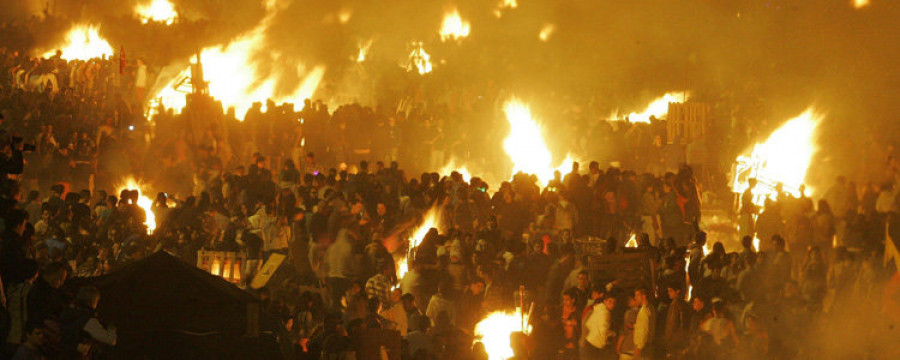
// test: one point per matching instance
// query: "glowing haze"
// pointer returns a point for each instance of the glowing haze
(83, 42)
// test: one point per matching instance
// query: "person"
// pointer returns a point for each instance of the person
(379, 286)
(644, 326)
(675, 333)
(747, 221)
(441, 303)
(722, 330)
(814, 277)
(625, 347)
(80, 316)
(470, 304)
(597, 330)
(31, 348)
(17, 305)
(778, 264)
(46, 300)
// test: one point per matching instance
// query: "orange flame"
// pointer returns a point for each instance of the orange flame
(83, 42)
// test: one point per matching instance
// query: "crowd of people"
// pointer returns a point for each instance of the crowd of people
(273, 184)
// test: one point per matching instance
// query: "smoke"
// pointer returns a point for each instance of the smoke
(620, 53)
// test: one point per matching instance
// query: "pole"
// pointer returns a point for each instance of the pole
(522, 305)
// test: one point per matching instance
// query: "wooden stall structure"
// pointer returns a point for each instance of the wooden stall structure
(225, 264)
(687, 122)
(632, 269)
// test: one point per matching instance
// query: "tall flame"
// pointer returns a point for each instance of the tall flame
(658, 108)
(83, 42)
(454, 27)
(430, 220)
(495, 329)
(783, 158)
(525, 145)
(143, 202)
(158, 11)
(419, 60)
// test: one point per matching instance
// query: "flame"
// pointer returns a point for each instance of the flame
(783, 158)
(525, 145)
(158, 11)
(419, 60)
(755, 243)
(632, 241)
(363, 51)
(171, 95)
(658, 108)
(494, 331)
(143, 202)
(451, 166)
(83, 42)
(546, 31)
(235, 80)
(859, 4)
(430, 220)
(454, 27)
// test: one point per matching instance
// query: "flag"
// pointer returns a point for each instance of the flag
(122, 61)
(890, 249)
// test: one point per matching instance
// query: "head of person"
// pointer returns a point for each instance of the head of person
(33, 334)
(88, 297)
(674, 291)
(54, 274)
(642, 295)
(778, 242)
(698, 304)
(477, 286)
(609, 301)
(747, 242)
(583, 280)
(568, 298)
(408, 301)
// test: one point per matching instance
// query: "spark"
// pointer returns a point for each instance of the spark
(546, 31)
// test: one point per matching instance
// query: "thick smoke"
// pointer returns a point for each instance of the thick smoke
(777, 55)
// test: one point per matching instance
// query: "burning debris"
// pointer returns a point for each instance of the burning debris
(156, 10)
(454, 27)
(784, 158)
(83, 42)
